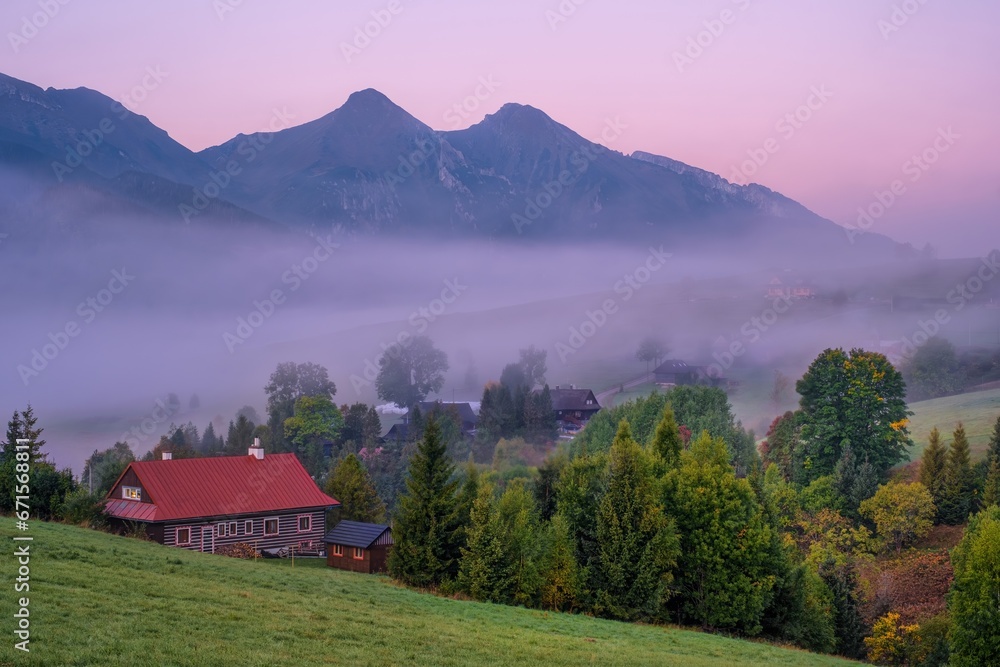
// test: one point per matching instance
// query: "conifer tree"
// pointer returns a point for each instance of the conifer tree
(561, 581)
(959, 485)
(666, 444)
(993, 453)
(427, 530)
(636, 543)
(351, 484)
(991, 490)
(723, 579)
(485, 572)
(932, 468)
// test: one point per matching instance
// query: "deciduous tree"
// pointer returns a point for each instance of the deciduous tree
(901, 512)
(351, 484)
(975, 612)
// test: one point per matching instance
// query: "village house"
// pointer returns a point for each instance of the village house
(269, 502)
(790, 286)
(572, 405)
(359, 547)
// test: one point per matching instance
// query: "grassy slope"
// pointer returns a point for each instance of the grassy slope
(978, 411)
(97, 599)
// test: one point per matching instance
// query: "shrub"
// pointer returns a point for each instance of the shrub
(892, 643)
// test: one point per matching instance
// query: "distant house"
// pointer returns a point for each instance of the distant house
(359, 547)
(676, 372)
(573, 405)
(465, 413)
(790, 286)
(269, 502)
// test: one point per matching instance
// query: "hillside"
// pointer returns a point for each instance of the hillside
(978, 411)
(97, 599)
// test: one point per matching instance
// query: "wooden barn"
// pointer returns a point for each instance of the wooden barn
(359, 547)
(269, 502)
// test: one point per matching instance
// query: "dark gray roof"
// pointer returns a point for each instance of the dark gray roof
(355, 534)
(465, 411)
(573, 399)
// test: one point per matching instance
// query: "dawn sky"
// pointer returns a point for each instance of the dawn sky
(708, 83)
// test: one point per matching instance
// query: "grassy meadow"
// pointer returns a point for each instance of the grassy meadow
(98, 599)
(978, 411)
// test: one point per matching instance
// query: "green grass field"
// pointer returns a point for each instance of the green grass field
(978, 411)
(98, 599)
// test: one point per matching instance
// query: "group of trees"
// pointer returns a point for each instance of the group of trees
(642, 530)
(520, 404)
(48, 487)
(938, 369)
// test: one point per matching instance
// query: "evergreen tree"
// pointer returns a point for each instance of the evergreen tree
(240, 435)
(993, 453)
(209, 441)
(975, 636)
(578, 496)
(351, 484)
(959, 486)
(991, 490)
(519, 519)
(932, 468)
(561, 581)
(427, 531)
(466, 497)
(666, 444)
(864, 487)
(485, 572)
(848, 624)
(723, 579)
(637, 544)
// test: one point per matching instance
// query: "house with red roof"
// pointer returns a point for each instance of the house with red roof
(269, 502)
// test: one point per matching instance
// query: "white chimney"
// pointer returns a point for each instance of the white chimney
(256, 450)
(167, 456)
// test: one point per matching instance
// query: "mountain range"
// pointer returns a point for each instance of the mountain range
(72, 158)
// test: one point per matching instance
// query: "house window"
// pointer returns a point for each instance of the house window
(589, 402)
(220, 530)
(305, 524)
(232, 527)
(270, 526)
(248, 527)
(338, 550)
(359, 553)
(183, 536)
(131, 493)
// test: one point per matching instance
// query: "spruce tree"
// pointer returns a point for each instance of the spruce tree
(427, 530)
(351, 484)
(637, 544)
(993, 453)
(723, 578)
(485, 572)
(959, 487)
(561, 581)
(991, 490)
(666, 444)
(864, 487)
(932, 468)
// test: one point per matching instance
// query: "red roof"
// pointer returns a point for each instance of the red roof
(219, 486)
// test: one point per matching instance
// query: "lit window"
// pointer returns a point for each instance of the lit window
(359, 552)
(131, 493)
(305, 524)
(338, 550)
(183, 536)
(270, 526)
(248, 527)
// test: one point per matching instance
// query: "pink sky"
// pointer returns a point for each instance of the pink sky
(890, 92)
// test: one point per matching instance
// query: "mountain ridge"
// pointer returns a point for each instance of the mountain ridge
(373, 168)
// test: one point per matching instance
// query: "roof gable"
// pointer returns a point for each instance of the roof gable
(222, 486)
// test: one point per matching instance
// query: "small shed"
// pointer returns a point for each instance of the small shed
(358, 546)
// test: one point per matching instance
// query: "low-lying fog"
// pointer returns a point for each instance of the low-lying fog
(97, 333)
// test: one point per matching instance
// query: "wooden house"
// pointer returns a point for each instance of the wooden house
(359, 547)
(269, 502)
(572, 405)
